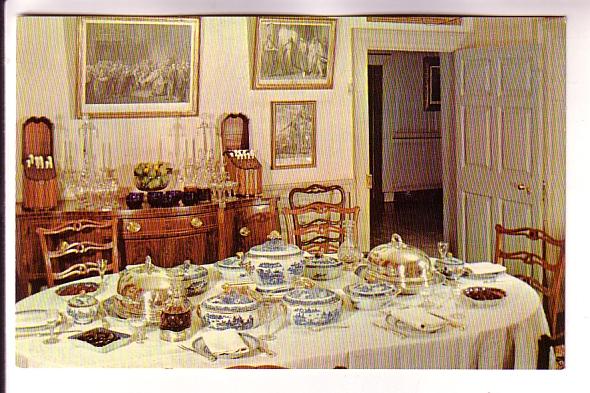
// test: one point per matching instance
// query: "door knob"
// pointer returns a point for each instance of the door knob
(523, 187)
(245, 231)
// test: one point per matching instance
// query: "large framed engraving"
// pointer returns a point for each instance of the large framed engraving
(138, 66)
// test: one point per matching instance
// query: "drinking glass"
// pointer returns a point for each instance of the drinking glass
(443, 249)
(268, 312)
(138, 324)
(52, 320)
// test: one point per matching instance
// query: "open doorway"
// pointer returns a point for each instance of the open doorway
(404, 152)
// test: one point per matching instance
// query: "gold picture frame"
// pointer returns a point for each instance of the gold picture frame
(294, 53)
(138, 66)
(431, 90)
(293, 138)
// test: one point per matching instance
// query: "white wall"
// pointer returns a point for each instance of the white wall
(46, 75)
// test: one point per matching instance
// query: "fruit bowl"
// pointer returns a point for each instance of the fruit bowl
(152, 176)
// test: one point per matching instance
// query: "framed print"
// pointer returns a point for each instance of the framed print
(431, 90)
(294, 53)
(138, 66)
(293, 125)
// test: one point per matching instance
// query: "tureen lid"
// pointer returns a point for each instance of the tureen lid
(232, 301)
(373, 289)
(310, 296)
(230, 263)
(274, 246)
(82, 301)
(320, 260)
(189, 271)
(400, 262)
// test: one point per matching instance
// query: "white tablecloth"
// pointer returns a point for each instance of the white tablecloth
(502, 336)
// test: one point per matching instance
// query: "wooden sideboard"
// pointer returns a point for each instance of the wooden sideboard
(203, 234)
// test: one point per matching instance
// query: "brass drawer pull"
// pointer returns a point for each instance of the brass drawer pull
(196, 222)
(245, 231)
(133, 227)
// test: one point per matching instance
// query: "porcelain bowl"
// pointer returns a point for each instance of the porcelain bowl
(322, 268)
(231, 310)
(231, 269)
(312, 306)
(484, 296)
(371, 296)
(83, 309)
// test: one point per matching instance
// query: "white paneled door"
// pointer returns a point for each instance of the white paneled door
(499, 145)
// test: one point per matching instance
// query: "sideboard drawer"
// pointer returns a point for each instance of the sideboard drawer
(143, 228)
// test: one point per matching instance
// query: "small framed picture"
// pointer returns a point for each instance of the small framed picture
(293, 140)
(431, 83)
(138, 66)
(294, 53)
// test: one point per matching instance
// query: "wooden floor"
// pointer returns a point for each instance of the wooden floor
(417, 217)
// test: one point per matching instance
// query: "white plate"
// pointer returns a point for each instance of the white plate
(34, 320)
(410, 330)
(252, 342)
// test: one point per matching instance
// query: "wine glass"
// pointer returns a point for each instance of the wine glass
(52, 320)
(102, 269)
(268, 312)
(443, 249)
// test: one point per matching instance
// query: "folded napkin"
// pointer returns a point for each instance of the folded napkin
(418, 318)
(224, 342)
(482, 268)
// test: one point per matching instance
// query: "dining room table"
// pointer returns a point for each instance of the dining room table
(501, 335)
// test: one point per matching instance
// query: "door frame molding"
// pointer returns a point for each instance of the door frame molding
(363, 41)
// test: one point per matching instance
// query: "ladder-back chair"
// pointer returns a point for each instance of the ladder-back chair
(71, 250)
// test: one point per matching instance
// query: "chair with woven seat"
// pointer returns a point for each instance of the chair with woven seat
(544, 257)
(72, 250)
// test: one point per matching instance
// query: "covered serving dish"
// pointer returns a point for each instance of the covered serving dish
(322, 267)
(231, 269)
(83, 308)
(274, 265)
(371, 295)
(232, 309)
(312, 306)
(195, 278)
(407, 267)
(142, 289)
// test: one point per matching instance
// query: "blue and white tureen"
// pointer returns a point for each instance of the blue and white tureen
(312, 306)
(231, 269)
(274, 265)
(371, 295)
(230, 310)
(322, 267)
